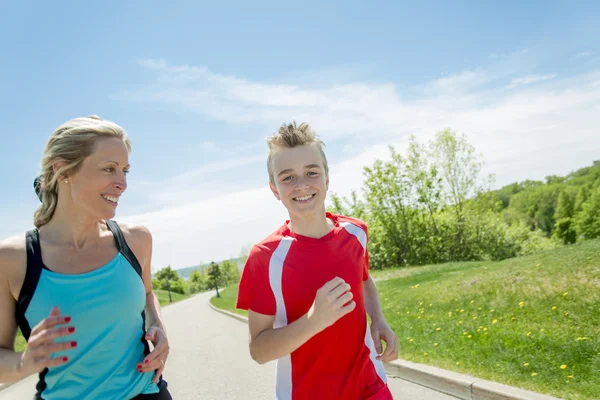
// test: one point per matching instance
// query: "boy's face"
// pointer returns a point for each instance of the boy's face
(300, 181)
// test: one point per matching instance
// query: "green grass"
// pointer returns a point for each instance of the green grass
(490, 319)
(227, 301)
(163, 298)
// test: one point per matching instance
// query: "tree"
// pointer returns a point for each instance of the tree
(588, 220)
(169, 280)
(229, 273)
(214, 274)
(168, 274)
(199, 281)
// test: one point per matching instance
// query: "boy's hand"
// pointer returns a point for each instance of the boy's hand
(380, 330)
(332, 302)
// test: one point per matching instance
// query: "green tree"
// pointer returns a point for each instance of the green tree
(168, 274)
(199, 281)
(169, 280)
(459, 168)
(588, 220)
(230, 273)
(214, 274)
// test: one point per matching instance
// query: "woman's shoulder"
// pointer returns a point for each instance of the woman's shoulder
(12, 250)
(138, 237)
(13, 259)
(135, 232)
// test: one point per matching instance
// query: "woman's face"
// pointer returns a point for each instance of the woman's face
(96, 187)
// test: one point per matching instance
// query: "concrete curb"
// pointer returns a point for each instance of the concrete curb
(461, 386)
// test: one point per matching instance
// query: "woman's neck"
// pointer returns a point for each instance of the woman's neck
(72, 230)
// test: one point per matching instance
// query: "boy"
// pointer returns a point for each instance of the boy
(307, 288)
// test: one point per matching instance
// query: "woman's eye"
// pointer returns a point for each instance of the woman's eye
(126, 171)
(109, 169)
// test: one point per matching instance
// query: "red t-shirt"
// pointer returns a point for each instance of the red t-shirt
(281, 278)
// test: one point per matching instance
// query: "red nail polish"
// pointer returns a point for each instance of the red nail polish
(71, 329)
(67, 319)
(146, 362)
(65, 359)
(73, 344)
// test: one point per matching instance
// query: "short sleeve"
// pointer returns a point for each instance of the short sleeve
(255, 291)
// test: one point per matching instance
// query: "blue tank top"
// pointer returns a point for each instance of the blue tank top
(107, 310)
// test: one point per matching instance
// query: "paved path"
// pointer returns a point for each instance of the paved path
(217, 366)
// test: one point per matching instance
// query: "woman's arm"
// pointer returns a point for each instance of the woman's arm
(140, 241)
(15, 366)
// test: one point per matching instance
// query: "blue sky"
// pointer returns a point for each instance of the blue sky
(198, 86)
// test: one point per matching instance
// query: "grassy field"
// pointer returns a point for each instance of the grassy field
(531, 322)
(163, 298)
(227, 301)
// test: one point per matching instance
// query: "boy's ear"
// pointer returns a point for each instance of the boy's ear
(274, 190)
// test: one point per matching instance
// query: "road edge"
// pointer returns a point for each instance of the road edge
(461, 386)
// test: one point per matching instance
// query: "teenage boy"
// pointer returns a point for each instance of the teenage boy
(307, 287)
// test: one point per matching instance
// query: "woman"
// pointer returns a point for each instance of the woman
(79, 285)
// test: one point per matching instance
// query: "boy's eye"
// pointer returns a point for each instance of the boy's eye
(287, 178)
(312, 173)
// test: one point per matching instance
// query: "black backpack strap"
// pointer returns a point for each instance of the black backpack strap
(32, 277)
(123, 247)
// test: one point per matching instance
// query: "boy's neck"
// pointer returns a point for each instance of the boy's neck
(315, 226)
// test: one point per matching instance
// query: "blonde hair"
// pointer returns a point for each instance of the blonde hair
(70, 143)
(291, 135)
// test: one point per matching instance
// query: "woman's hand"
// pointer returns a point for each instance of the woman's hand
(41, 344)
(155, 361)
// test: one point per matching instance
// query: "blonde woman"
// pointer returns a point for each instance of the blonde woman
(79, 284)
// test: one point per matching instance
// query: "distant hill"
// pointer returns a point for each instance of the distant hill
(187, 271)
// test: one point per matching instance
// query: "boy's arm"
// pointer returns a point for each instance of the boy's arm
(380, 330)
(267, 344)
(333, 301)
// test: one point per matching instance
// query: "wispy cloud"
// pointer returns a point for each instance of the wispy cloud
(528, 80)
(584, 54)
(527, 132)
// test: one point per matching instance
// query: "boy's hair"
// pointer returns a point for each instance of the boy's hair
(291, 135)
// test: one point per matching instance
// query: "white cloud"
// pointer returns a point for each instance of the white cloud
(528, 80)
(584, 54)
(525, 133)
